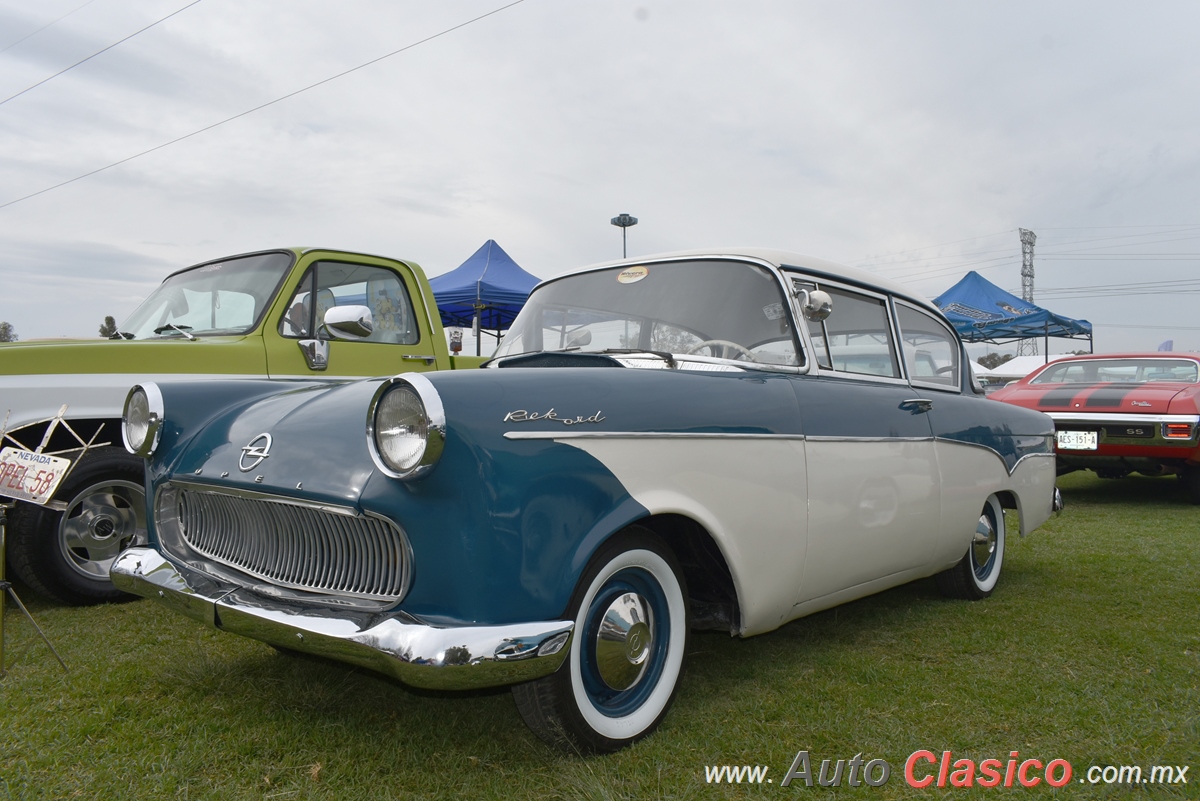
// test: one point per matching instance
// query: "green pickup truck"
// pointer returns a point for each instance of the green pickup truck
(288, 314)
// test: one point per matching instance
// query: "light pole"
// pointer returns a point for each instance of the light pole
(623, 221)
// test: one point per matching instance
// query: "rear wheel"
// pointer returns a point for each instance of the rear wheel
(66, 555)
(976, 575)
(626, 657)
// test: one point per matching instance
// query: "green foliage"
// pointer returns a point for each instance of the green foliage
(993, 360)
(108, 328)
(1089, 651)
(7, 333)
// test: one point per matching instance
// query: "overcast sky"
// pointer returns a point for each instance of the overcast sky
(911, 138)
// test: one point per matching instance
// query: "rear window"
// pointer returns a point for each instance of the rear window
(1120, 371)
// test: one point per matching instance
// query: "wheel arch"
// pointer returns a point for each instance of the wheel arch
(712, 593)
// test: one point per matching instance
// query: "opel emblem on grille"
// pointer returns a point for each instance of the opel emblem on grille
(256, 450)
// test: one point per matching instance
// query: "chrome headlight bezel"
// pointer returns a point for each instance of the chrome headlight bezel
(147, 414)
(432, 422)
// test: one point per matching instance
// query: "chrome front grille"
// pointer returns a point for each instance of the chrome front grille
(288, 543)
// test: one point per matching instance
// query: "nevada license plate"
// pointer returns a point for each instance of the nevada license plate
(1076, 440)
(29, 476)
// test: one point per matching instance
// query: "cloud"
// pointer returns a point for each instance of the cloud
(838, 129)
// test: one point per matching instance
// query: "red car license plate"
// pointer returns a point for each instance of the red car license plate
(1077, 440)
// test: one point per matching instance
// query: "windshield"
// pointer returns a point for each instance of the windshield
(224, 297)
(719, 309)
(1122, 371)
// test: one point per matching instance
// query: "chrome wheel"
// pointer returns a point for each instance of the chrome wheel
(100, 522)
(983, 548)
(978, 572)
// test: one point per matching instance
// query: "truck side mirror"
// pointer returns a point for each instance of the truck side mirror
(349, 322)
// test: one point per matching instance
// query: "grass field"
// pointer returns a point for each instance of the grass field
(1088, 652)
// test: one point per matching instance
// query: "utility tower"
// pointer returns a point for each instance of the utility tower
(1027, 347)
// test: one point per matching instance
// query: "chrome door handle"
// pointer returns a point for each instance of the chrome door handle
(919, 404)
(416, 357)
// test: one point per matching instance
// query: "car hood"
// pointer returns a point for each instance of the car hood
(311, 440)
(1097, 398)
(176, 355)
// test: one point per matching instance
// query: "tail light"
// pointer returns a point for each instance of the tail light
(1177, 430)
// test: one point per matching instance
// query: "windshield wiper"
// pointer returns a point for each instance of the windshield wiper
(183, 329)
(118, 334)
(507, 356)
(669, 358)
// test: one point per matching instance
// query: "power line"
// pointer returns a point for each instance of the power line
(260, 107)
(6, 48)
(1155, 327)
(1125, 256)
(866, 261)
(98, 52)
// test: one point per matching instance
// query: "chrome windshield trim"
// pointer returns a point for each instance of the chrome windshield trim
(1100, 418)
(642, 435)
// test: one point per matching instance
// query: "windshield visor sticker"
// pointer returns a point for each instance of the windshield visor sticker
(632, 275)
(773, 311)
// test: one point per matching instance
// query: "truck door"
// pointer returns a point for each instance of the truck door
(402, 339)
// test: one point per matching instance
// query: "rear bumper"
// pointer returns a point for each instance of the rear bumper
(415, 653)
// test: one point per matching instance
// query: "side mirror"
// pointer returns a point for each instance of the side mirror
(815, 304)
(349, 322)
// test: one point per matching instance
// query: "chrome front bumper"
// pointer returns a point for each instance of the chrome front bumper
(417, 654)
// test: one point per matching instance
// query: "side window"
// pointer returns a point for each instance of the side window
(931, 352)
(331, 283)
(297, 321)
(855, 337)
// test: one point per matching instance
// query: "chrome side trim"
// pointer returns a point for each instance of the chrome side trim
(998, 455)
(871, 439)
(1100, 418)
(459, 658)
(642, 435)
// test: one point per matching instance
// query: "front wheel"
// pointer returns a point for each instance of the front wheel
(66, 555)
(975, 576)
(626, 657)
(1191, 482)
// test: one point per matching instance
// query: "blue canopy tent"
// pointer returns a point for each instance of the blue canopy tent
(982, 312)
(484, 292)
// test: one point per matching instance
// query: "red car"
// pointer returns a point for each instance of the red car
(1120, 413)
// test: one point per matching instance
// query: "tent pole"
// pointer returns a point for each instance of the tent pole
(1047, 329)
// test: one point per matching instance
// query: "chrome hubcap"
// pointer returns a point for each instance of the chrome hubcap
(984, 544)
(623, 642)
(100, 523)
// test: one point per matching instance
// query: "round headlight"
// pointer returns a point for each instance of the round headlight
(406, 426)
(141, 421)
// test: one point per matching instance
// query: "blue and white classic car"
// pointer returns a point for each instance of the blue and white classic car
(767, 435)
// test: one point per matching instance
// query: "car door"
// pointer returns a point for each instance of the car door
(969, 444)
(401, 339)
(873, 483)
